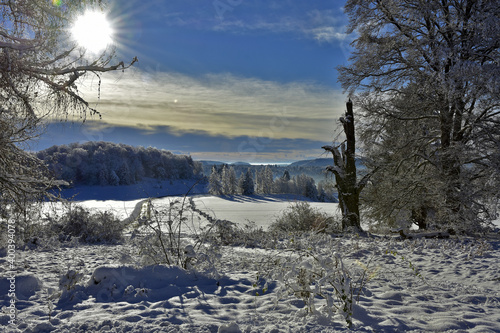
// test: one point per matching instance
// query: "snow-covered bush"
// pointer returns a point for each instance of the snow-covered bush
(68, 281)
(321, 279)
(248, 235)
(301, 217)
(33, 225)
(162, 236)
(26, 223)
(89, 227)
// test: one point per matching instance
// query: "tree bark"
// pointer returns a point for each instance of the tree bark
(344, 169)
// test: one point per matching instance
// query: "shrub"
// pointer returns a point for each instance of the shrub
(316, 273)
(301, 217)
(89, 227)
(30, 228)
(173, 234)
(249, 235)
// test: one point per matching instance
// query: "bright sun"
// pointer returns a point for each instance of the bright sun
(92, 31)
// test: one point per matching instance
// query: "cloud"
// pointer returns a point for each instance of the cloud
(218, 104)
(200, 145)
(327, 34)
(324, 26)
(322, 21)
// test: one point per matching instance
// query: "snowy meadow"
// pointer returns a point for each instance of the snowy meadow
(243, 277)
(152, 241)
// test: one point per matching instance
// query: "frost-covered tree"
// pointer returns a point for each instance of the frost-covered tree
(282, 184)
(257, 181)
(215, 182)
(326, 191)
(224, 178)
(124, 174)
(267, 180)
(246, 183)
(103, 177)
(427, 75)
(90, 163)
(113, 178)
(306, 186)
(286, 176)
(40, 68)
(230, 181)
(264, 180)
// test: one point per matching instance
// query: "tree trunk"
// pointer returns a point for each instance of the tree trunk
(419, 217)
(451, 135)
(345, 172)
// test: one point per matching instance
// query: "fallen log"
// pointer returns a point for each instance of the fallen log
(433, 234)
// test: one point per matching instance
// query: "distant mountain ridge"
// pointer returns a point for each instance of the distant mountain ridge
(204, 162)
(318, 162)
(313, 162)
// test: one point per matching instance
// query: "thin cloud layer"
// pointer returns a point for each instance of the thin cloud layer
(323, 21)
(218, 104)
(322, 25)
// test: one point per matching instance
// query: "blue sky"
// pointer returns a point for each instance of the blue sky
(230, 80)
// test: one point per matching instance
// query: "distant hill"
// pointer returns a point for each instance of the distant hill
(106, 163)
(204, 163)
(319, 162)
(210, 163)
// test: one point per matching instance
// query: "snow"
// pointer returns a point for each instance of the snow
(258, 209)
(420, 285)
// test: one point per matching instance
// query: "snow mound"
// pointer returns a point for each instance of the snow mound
(229, 328)
(151, 283)
(26, 285)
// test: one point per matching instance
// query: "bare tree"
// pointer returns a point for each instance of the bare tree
(40, 69)
(344, 169)
(434, 63)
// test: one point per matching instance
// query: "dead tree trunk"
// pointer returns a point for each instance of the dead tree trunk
(344, 169)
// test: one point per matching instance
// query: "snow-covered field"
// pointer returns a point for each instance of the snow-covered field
(440, 285)
(258, 209)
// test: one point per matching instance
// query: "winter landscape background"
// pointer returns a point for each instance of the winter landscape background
(249, 166)
(246, 282)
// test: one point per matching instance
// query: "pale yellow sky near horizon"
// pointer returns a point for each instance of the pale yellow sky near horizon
(220, 104)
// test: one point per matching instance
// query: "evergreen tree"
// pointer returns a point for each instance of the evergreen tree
(258, 180)
(286, 176)
(305, 185)
(267, 180)
(113, 178)
(246, 183)
(215, 182)
(232, 181)
(226, 186)
(103, 177)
